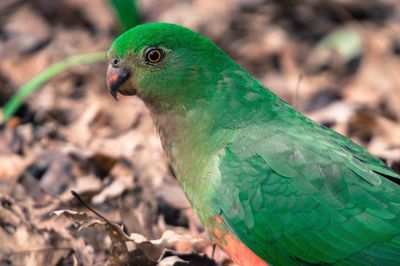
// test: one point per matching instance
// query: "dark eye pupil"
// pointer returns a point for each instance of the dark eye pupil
(154, 55)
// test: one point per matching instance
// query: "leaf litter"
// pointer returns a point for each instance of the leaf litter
(125, 246)
(71, 135)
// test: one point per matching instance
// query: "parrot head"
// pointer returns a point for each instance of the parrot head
(164, 63)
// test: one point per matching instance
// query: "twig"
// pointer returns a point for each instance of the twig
(78, 197)
(295, 100)
(116, 233)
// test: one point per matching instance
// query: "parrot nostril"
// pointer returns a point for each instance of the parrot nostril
(115, 62)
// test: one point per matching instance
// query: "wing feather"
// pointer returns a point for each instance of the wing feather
(309, 197)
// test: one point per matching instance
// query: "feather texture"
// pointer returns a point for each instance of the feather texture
(268, 183)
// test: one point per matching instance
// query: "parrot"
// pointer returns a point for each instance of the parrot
(269, 185)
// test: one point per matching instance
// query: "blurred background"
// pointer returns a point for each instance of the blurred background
(337, 61)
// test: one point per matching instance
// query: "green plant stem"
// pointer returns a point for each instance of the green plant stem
(16, 100)
(127, 12)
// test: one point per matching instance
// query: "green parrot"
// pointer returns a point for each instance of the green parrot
(270, 185)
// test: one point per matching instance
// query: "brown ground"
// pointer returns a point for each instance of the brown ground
(338, 61)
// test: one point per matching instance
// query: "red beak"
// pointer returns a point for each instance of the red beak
(115, 78)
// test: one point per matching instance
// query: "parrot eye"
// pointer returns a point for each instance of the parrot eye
(154, 55)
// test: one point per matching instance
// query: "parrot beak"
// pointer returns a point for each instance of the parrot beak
(116, 78)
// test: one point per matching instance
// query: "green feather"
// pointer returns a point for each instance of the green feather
(293, 192)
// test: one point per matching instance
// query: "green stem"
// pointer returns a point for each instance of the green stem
(127, 12)
(16, 100)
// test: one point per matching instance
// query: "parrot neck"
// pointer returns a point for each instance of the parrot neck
(193, 132)
(195, 135)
